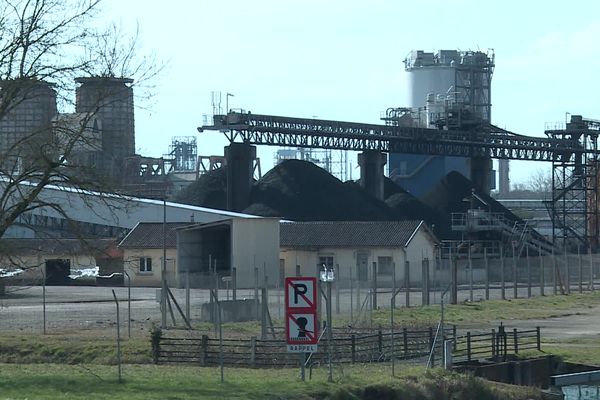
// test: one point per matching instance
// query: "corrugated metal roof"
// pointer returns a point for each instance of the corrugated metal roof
(149, 235)
(347, 233)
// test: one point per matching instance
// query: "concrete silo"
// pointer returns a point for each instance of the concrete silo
(436, 81)
(111, 101)
(27, 109)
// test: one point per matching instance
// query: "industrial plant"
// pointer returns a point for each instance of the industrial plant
(438, 149)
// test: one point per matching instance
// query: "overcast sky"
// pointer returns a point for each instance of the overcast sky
(343, 60)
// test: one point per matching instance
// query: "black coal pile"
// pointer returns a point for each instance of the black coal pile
(301, 191)
(407, 206)
(210, 190)
(453, 194)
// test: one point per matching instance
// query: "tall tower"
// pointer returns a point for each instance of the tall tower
(447, 78)
(111, 101)
(26, 112)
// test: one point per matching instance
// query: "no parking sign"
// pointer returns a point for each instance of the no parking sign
(301, 327)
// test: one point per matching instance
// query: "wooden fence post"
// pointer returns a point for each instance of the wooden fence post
(493, 343)
(469, 346)
(380, 341)
(516, 341)
(204, 350)
(405, 341)
(353, 347)
(253, 352)
(538, 338)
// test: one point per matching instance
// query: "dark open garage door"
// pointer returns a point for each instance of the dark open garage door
(57, 272)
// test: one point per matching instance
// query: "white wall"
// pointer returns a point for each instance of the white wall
(255, 243)
(131, 261)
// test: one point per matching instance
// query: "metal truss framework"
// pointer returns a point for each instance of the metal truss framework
(574, 207)
(489, 141)
(573, 152)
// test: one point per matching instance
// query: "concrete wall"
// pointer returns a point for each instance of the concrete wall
(255, 243)
(421, 246)
(34, 264)
(348, 259)
(131, 261)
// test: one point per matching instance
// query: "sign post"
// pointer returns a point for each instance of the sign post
(301, 328)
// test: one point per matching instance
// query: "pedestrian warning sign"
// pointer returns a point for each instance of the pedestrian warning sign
(301, 328)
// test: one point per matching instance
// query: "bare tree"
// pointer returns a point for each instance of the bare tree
(44, 46)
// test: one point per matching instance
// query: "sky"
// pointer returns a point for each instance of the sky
(343, 60)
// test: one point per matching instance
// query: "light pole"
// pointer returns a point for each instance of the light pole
(163, 297)
(327, 275)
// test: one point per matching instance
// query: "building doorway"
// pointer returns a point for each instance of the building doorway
(57, 271)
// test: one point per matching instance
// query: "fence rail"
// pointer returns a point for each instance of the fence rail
(495, 344)
(378, 346)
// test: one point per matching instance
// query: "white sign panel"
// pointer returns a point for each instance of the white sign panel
(302, 348)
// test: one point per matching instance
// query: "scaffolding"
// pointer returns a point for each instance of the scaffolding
(574, 204)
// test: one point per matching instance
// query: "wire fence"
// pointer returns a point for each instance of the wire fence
(34, 307)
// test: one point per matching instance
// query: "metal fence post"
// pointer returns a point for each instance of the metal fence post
(516, 340)
(407, 282)
(554, 267)
(515, 275)
(425, 282)
(580, 261)
(542, 272)
(374, 293)
(487, 274)
(528, 271)
(118, 337)
(502, 279)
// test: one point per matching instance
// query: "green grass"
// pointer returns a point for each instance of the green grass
(482, 312)
(72, 348)
(48, 381)
(577, 350)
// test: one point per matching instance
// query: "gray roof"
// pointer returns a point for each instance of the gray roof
(347, 233)
(149, 235)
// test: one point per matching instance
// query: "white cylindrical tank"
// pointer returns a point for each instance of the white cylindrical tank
(430, 73)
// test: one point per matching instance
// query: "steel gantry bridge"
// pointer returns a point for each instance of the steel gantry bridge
(573, 153)
(488, 141)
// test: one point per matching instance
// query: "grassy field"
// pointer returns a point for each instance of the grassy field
(478, 314)
(51, 381)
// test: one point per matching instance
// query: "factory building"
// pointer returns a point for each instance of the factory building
(450, 87)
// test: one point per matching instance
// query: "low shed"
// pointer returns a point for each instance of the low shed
(251, 246)
(353, 247)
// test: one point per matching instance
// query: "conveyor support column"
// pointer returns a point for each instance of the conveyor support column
(240, 158)
(371, 164)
